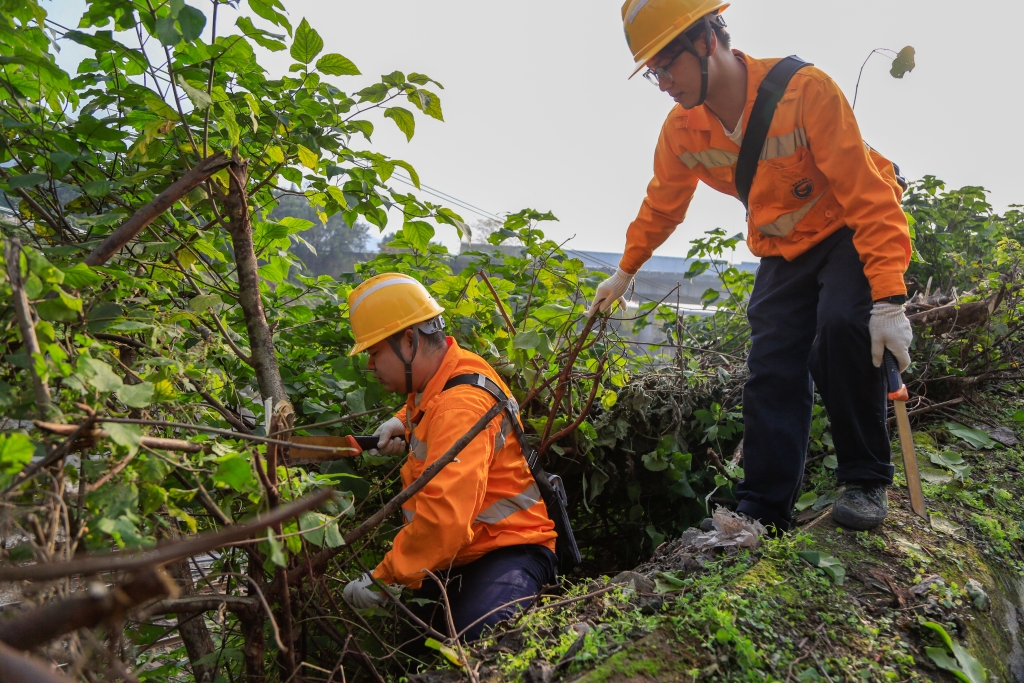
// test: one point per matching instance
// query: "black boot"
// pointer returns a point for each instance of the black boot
(861, 507)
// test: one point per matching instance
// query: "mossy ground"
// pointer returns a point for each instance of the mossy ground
(771, 616)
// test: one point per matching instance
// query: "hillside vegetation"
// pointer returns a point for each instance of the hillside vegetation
(163, 339)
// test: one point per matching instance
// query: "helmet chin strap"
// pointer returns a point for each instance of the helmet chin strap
(396, 346)
(690, 47)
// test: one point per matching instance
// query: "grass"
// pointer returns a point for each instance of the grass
(772, 616)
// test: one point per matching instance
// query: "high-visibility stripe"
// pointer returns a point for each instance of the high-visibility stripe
(418, 448)
(502, 435)
(784, 224)
(636, 10)
(784, 145)
(397, 280)
(779, 146)
(709, 158)
(408, 514)
(506, 507)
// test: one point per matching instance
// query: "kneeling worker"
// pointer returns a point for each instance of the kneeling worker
(481, 521)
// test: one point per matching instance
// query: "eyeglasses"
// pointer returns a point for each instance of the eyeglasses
(661, 73)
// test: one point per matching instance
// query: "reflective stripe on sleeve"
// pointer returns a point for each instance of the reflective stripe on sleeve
(784, 224)
(502, 435)
(506, 507)
(408, 514)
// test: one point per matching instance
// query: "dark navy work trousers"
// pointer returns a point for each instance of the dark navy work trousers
(809, 321)
(515, 574)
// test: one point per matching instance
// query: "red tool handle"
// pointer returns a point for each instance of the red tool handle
(897, 389)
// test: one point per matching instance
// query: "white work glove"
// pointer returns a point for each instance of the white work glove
(392, 438)
(364, 593)
(610, 291)
(890, 329)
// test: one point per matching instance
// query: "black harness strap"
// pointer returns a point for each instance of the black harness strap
(511, 407)
(768, 95)
(551, 489)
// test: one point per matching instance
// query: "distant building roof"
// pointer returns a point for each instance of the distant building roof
(605, 260)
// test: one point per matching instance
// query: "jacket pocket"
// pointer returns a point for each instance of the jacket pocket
(785, 191)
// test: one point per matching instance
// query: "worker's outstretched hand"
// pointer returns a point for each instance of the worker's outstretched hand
(392, 438)
(890, 329)
(363, 593)
(610, 291)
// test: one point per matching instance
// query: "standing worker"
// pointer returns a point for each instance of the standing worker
(481, 523)
(824, 215)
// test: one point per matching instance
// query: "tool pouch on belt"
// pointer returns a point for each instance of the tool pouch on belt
(551, 489)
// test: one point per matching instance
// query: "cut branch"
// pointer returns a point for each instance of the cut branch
(194, 546)
(23, 311)
(88, 438)
(163, 201)
(20, 668)
(88, 608)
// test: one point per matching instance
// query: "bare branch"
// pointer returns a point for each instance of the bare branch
(163, 201)
(23, 311)
(194, 546)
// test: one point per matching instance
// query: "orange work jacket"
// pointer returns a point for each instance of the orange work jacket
(486, 499)
(815, 176)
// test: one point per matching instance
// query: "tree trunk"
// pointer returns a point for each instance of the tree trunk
(193, 631)
(23, 312)
(261, 338)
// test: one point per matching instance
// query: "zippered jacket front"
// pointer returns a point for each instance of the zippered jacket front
(815, 175)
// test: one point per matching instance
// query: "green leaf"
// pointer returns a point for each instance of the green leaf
(334, 64)
(192, 22)
(831, 462)
(609, 399)
(449, 653)
(527, 339)
(166, 32)
(81, 275)
(203, 302)
(129, 436)
(308, 157)
(102, 377)
(903, 63)
(827, 564)
(404, 119)
(271, 41)
(975, 437)
(1018, 416)
(307, 44)
(230, 126)
(806, 500)
(136, 395)
(235, 472)
(26, 180)
(419, 234)
(199, 98)
(276, 549)
(15, 451)
(965, 667)
(268, 9)
(97, 188)
(275, 154)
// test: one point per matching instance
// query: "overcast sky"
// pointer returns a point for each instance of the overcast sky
(539, 112)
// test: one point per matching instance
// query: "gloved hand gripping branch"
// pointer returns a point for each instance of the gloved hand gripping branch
(363, 593)
(610, 291)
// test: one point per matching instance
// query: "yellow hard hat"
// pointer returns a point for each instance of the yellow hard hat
(386, 304)
(650, 25)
